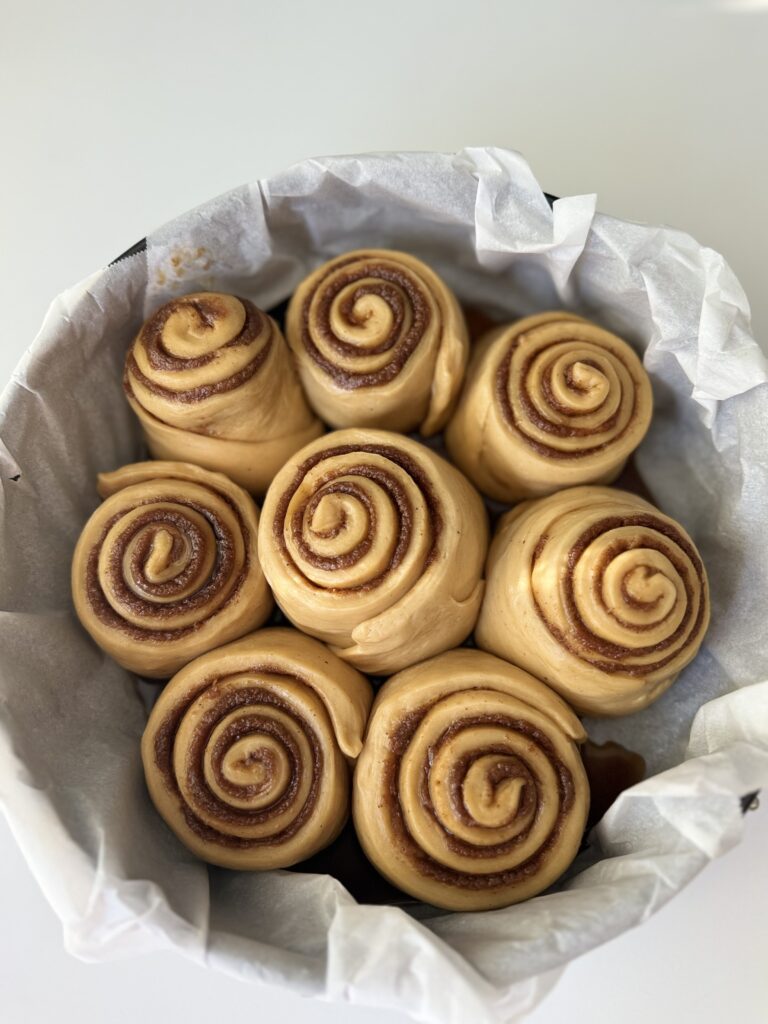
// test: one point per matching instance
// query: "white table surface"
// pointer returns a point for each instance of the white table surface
(113, 118)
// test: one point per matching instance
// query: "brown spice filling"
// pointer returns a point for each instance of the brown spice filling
(402, 347)
(643, 541)
(555, 429)
(174, 519)
(151, 339)
(585, 638)
(222, 569)
(552, 401)
(384, 290)
(389, 483)
(633, 602)
(405, 519)
(204, 799)
(425, 864)
(509, 767)
(193, 549)
(306, 511)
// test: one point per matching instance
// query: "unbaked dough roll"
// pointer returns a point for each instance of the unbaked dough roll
(167, 567)
(551, 401)
(470, 793)
(380, 341)
(373, 543)
(597, 593)
(212, 381)
(246, 750)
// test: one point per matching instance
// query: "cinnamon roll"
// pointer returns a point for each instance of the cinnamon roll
(470, 793)
(597, 593)
(246, 750)
(167, 567)
(212, 382)
(380, 341)
(374, 544)
(549, 402)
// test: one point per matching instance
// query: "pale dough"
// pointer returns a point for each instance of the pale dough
(380, 341)
(551, 401)
(374, 544)
(212, 381)
(597, 593)
(470, 792)
(168, 567)
(247, 750)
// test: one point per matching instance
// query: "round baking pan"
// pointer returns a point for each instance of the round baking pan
(344, 858)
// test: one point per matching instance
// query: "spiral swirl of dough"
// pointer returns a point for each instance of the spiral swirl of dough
(470, 792)
(597, 593)
(245, 752)
(211, 379)
(380, 341)
(551, 401)
(167, 567)
(374, 544)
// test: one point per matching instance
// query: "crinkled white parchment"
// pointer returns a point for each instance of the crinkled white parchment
(70, 719)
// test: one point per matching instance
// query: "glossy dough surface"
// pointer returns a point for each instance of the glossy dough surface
(551, 401)
(470, 792)
(211, 379)
(597, 593)
(380, 341)
(167, 567)
(374, 544)
(245, 752)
